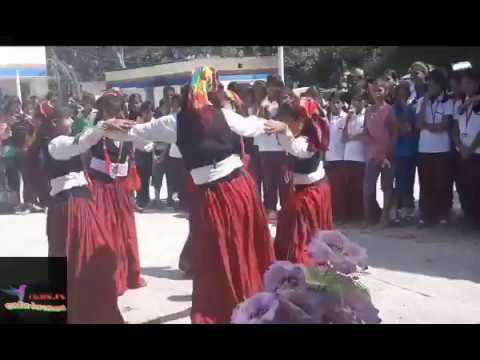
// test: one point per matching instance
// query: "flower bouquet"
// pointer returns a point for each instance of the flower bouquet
(327, 293)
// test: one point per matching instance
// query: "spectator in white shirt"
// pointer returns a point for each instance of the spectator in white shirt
(273, 158)
(435, 165)
(466, 136)
(335, 156)
(354, 158)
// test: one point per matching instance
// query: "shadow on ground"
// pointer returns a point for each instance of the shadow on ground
(180, 298)
(438, 252)
(164, 272)
(171, 317)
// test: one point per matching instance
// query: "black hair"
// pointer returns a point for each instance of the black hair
(90, 98)
(286, 109)
(274, 80)
(177, 97)
(312, 91)
(49, 96)
(146, 106)
(260, 84)
(473, 74)
(288, 92)
(184, 93)
(168, 88)
(438, 76)
(233, 86)
(392, 73)
(133, 96)
(114, 105)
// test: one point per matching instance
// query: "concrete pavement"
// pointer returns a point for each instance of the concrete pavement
(416, 276)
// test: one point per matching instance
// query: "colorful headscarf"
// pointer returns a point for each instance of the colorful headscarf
(204, 81)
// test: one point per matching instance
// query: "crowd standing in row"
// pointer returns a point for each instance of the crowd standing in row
(228, 150)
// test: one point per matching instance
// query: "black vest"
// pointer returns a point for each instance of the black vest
(58, 168)
(205, 146)
(306, 166)
(113, 151)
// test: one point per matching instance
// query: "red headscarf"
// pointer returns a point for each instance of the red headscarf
(316, 126)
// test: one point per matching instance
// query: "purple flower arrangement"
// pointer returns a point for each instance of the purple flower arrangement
(323, 294)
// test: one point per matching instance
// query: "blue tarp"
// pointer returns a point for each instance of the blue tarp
(11, 73)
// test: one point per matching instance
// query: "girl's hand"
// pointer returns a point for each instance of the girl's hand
(274, 127)
(121, 125)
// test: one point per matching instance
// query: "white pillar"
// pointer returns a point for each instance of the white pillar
(281, 70)
(19, 88)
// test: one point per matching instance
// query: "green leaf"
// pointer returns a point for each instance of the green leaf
(332, 282)
(314, 276)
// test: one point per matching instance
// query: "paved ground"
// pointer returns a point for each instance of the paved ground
(416, 276)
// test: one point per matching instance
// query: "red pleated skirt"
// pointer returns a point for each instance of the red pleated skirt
(74, 231)
(115, 212)
(308, 210)
(232, 248)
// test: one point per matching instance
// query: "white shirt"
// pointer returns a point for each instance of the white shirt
(298, 147)
(468, 131)
(165, 129)
(269, 142)
(66, 147)
(336, 149)
(430, 142)
(355, 149)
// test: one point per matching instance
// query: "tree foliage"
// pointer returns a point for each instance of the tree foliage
(304, 65)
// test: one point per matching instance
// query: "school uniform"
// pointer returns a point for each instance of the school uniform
(469, 169)
(159, 169)
(178, 173)
(335, 166)
(354, 169)
(435, 166)
(273, 160)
